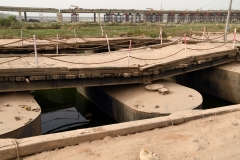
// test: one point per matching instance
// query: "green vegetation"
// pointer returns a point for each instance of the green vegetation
(10, 28)
(7, 22)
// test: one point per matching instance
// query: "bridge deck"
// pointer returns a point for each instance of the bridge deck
(145, 65)
(72, 45)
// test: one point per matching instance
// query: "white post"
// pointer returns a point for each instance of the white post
(102, 30)
(22, 36)
(129, 50)
(98, 17)
(160, 35)
(185, 42)
(234, 38)
(75, 35)
(35, 50)
(204, 29)
(190, 32)
(228, 17)
(108, 43)
(57, 45)
(20, 16)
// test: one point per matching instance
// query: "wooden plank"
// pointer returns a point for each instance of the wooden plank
(19, 79)
(37, 73)
(103, 68)
(70, 76)
(37, 78)
(13, 70)
(167, 64)
(188, 60)
(55, 77)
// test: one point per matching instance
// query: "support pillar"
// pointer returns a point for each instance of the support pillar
(134, 17)
(59, 17)
(25, 16)
(98, 17)
(94, 17)
(20, 16)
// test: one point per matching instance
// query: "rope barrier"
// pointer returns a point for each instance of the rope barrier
(15, 59)
(208, 37)
(212, 38)
(111, 60)
(157, 58)
(208, 48)
(17, 148)
(83, 62)
(14, 42)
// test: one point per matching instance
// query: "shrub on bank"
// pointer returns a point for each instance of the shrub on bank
(7, 22)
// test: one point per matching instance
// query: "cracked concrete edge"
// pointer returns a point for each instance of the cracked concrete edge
(32, 145)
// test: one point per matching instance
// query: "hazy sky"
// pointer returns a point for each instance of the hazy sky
(125, 4)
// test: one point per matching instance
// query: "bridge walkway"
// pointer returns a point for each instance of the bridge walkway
(141, 65)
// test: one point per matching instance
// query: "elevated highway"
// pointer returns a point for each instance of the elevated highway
(28, 9)
(82, 10)
(135, 16)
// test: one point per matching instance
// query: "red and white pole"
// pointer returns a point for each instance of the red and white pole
(102, 30)
(108, 43)
(185, 44)
(234, 38)
(160, 35)
(204, 30)
(129, 50)
(57, 45)
(22, 36)
(35, 50)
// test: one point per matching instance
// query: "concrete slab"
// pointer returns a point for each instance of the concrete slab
(19, 115)
(133, 102)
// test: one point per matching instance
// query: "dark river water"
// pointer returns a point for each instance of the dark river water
(67, 109)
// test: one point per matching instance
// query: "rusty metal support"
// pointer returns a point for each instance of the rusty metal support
(74, 17)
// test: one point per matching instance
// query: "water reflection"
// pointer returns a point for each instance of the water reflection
(59, 113)
(61, 120)
(213, 102)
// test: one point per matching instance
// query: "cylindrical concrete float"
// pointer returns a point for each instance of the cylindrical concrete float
(222, 81)
(20, 115)
(134, 102)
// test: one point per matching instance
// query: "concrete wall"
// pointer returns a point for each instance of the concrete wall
(21, 117)
(63, 95)
(222, 82)
(114, 108)
(29, 130)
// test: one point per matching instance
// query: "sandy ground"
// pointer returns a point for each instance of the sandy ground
(216, 137)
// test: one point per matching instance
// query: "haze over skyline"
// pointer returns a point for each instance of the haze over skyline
(126, 4)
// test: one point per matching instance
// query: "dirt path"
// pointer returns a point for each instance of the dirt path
(216, 137)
